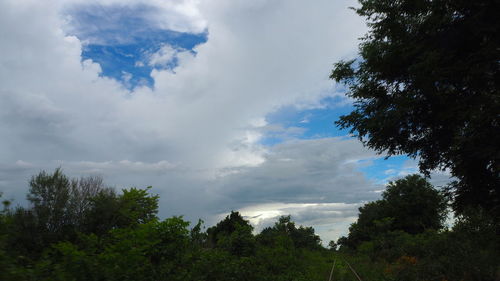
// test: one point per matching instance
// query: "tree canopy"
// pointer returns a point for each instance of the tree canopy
(426, 84)
(410, 204)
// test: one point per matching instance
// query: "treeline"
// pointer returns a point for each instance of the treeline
(80, 229)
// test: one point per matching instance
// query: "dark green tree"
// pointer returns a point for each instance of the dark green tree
(410, 205)
(109, 210)
(137, 206)
(414, 204)
(234, 234)
(301, 237)
(104, 213)
(426, 84)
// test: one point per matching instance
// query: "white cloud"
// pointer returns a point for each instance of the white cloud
(260, 56)
(306, 171)
(174, 15)
(163, 56)
(329, 219)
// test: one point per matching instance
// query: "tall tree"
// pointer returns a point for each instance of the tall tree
(60, 202)
(50, 196)
(427, 85)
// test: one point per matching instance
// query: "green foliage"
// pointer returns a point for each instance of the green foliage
(119, 237)
(104, 213)
(137, 206)
(50, 195)
(426, 85)
(401, 238)
(414, 204)
(302, 237)
(233, 234)
(411, 205)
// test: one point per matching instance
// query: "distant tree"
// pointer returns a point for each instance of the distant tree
(62, 207)
(410, 204)
(415, 204)
(82, 192)
(60, 202)
(49, 195)
(103, 214)
(197, 237)
(427, 85)
(109, 210)
(302, 237)
(332, 245)
(234, 234)
(137, 206)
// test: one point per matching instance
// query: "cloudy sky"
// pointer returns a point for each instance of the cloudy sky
(220, 105)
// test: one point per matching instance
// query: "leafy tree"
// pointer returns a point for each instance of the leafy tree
(109, 210)
(50, 195)
(60, 203)
(410, 204)
(332, 245)
(415, 205)
(427, 85)
(82, 192)
(137, 206)
(302, 237)
(103, 214)
(234, 234)
(197, 237)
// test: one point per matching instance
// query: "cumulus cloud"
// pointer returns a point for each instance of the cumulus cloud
(163, 56)
(102, 21)
(305, 171)
(194, 136)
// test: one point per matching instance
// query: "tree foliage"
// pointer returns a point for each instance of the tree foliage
(426, 85)
(234, 234)
(284, 228)
(410, 205)
(403, 235)
(119, 237)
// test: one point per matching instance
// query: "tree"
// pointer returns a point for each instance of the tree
(410, 204)
(234, 234)
(59, 202)
(49, 195)
(427, 85)
(109, 210)
(332, 246)
(302, 237)
(414, 204)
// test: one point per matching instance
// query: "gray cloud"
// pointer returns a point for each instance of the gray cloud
(323, 170)
(193, 136)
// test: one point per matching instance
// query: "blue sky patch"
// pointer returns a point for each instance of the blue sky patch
(121, 39)
(381, 170)
(314, 123)
(320, 123)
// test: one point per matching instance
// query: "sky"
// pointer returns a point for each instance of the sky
(219, 105)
